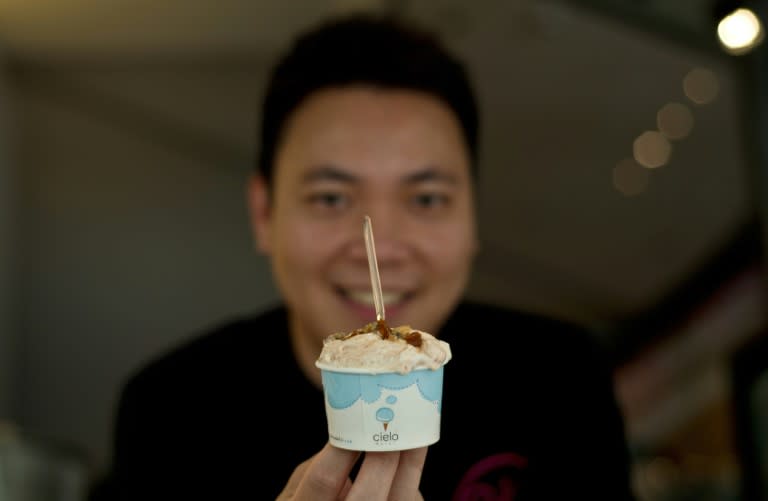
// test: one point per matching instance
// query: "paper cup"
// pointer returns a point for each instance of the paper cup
(382, 412)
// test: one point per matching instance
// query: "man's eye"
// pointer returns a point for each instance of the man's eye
(328, 200)
(430, 201)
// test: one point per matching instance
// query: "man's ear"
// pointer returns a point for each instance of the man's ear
(259, 208)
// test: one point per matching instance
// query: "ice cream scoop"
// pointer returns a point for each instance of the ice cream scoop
(376, 349)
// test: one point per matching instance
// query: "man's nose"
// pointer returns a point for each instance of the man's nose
(388, 237)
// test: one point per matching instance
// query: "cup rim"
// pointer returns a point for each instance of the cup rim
(365, 371)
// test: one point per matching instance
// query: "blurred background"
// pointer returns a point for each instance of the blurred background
(625, 149)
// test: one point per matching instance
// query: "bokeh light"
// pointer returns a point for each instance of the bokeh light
(740, 31)
(651, 149)
(675, 120)
(701, 85)
(630, 178)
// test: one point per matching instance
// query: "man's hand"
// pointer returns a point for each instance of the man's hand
(383, 476)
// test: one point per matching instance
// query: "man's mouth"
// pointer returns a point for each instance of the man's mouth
(365, 297)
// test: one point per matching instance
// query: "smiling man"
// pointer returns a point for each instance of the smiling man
(398, 156)
(368, 116)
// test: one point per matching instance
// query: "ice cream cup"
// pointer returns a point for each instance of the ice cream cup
(382, 412)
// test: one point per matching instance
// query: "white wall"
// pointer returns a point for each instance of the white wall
(138, 237)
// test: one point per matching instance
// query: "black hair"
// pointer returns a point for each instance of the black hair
(364, 49)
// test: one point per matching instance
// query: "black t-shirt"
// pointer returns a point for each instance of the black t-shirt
(528, 413)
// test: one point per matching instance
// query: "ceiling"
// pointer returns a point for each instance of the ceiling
(90, 26)
(566, 87)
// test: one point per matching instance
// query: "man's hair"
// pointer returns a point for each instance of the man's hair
(370, 50)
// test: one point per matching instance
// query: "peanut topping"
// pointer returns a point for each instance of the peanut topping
(404, 332)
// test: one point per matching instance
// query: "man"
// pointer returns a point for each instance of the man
(366, 116)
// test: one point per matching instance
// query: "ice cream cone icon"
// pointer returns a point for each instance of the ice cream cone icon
(385, 415)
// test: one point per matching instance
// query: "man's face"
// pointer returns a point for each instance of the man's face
(395, 155)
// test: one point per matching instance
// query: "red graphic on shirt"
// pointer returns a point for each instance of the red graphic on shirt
(491, 479)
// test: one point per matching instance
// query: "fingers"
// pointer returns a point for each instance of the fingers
(405, 486)
(345, 490)
(325, 476)
(293, 482)
(374, 480)
(383, 476)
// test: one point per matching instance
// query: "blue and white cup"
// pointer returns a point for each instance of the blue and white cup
(382, 412)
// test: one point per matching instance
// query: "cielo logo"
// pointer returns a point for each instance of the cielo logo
(386, 415)
(385, 437)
